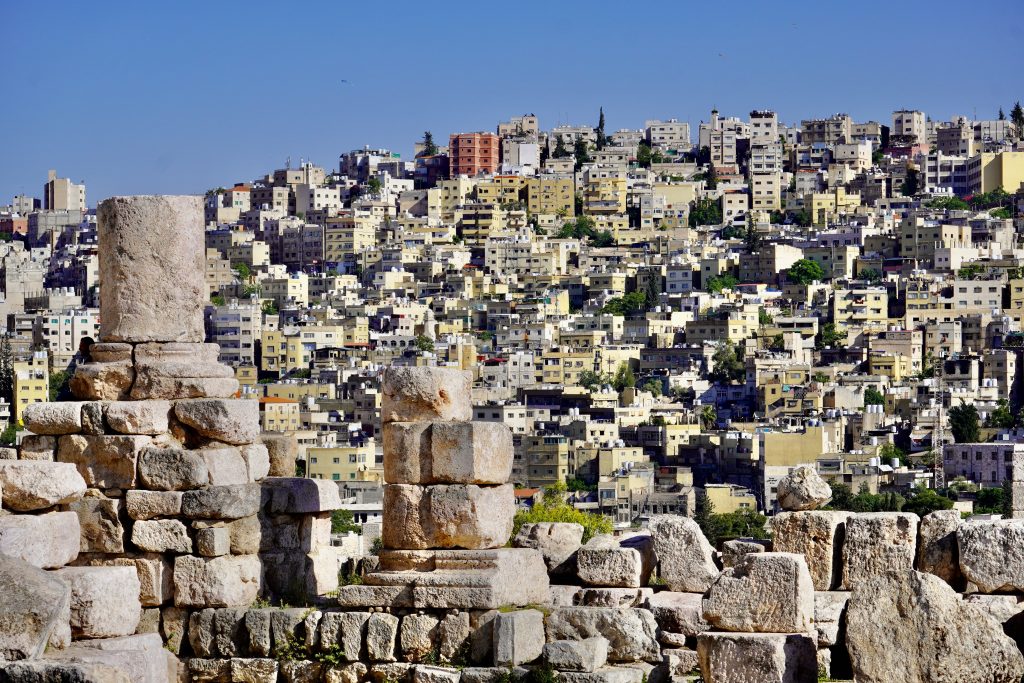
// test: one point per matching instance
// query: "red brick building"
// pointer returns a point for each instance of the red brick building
(473, 153)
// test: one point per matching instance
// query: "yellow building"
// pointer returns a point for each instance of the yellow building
(280, 414)
(443, 198)
(551, 194)
(989, 171)
(604, 191)
(346, 236)
(826, 206)
(344, 463)
(502, 189)
(31, 383)
(865, 307)
(292, 349)
(547, 459)
(727, 498)
(564, 367)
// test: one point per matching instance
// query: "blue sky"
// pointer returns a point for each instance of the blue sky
(177, 97)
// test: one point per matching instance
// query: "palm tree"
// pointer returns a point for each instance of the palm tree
(708, 417)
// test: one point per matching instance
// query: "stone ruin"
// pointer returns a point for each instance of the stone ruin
(147, 534)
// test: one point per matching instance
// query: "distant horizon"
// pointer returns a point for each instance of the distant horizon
(173, 101)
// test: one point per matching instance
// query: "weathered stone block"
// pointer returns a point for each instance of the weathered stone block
(213, 541)
(434, 674)
(53, 418)
(992, 555)
(36, 447)
(227, 581)
(47, 541)
(829, 607)
(138, 417)
(734, 550)
(818, 536)
(447, 453)
(803, 489)
(225, 465)
(102, 381)
(381, 636)
(105, 462)
(558, 542)
(140, 656)
(878, 542)
(937, 550)
(686, 561)
(230, 421)
(37, 484)
(283, 449)
(100, 522)
(412, 394)
(150, 504)
(518, 637)
(761, 657)
(347, 629)
(104, 600)
(34, 604)
(453, 634)
(257, 460)
(254, 670)
(679, 612)
(161, 536)
(154, 250)
(300, 496)
(221, 502)
(418, 635)
(453, 516)
(631, 633)
(616, 562)
(172, 469)
(764, 593)
(612, 597)
(588, 654)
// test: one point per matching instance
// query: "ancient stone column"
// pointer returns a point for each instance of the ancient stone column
(152, 269)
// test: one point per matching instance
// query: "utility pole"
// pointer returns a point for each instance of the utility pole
(938, 434)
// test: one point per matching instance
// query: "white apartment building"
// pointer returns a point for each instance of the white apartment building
(62, 332)
(672, 134)
(236, 326)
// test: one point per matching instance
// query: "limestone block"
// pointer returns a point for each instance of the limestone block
(631, 633)
(231, 421)
(225, 465)
(518, 637)
(257, 628)
(803, 489)
(937, 550)
(92, 418)
(110, 352)
(347, 629)
(493, 674)
(257, 460)
(105, 462)
(734, 550)
(221, 502)
(283, 449)
(558, 542)
(435, 674)
(245, 535)
(140, 656)
(36, 447)
(47, 541)
(300, 496)
(150, 504)
(684, 556)
(761, 657)
(612, 597)
(197, 353)
(154, 254)
(213, 541)
(209, 670)
(254, 670)
(617, 562)
(54, 670)
(910, 626)
(818, 536)
(381, 636)
(174, 627)
(447, 453)
(100, 520)
(102, 381)
(681, 661)
(452, 516)
(453, 634)
(992, 555)
(412, 394)
(390, 672)
(151, 385)
(678, 612)
(764, 593)
(104, 600)
(53, 418)
(34, 604)
(878, 542)
(829, 607)
(172, 469)
(161, 536)
(226, 581)
(153, 570)
(417, 636)
(138, 417)
(218, 632)
(37, 484)
(588, 654)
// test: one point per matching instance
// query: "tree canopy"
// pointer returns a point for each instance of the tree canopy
(805, 271)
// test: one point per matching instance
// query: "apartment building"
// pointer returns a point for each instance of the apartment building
(237, 327)
(989, 171)
(668, 135)
(61, 332)
(911, 124)
(472, 154)
(60, 194)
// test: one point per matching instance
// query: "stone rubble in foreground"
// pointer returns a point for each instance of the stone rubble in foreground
(147, 535)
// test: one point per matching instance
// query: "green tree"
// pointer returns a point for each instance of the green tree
(752, 240)
(343, 521)
(1017, 118)
(948, 204)
(923, 501)
(873, 397)
(424, 343)
(708, 417)
(58, 383)
(560, 150)
(374, 186)
(911, 183)
(705, 211)
(706, 518)
(652, 289)
(554, 508)
(972, 271)
(269, 307)
(216, 300)
(870, 275)
(592, 380)
(242, 271)
(716, 283)
(602, 139)
(888, 451)
(653, 386)
(580, 150)
(803, 218)
(990, 501)
(6, 369)
(964, 423)
(739, 524)
(804, 272)
(624, 377)
(429, 148)
(829, 336)
(1002, 417)
(9, 436)
(711, 177)
(726, 365)
(625, 305)
(643, 155)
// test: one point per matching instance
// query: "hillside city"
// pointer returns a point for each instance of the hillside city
(669, 320)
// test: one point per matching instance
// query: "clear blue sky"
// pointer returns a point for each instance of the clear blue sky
(177, 97)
